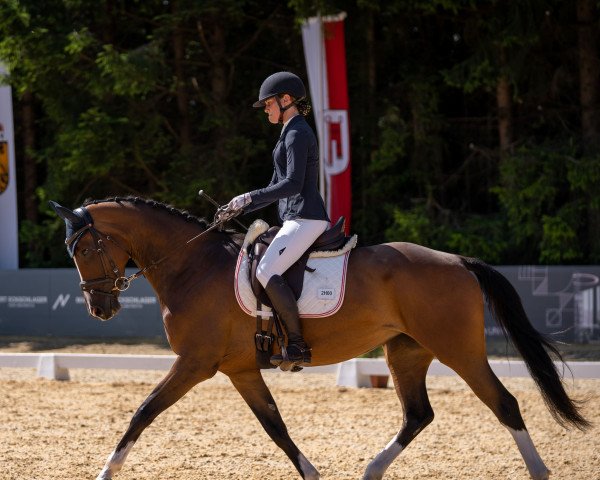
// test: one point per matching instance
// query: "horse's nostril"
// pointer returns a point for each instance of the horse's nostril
(97, 312)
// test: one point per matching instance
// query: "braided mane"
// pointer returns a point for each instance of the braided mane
(185, 215)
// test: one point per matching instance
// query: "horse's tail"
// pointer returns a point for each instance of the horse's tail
(506, 307)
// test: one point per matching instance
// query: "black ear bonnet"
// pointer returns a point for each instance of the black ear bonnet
(75, 222)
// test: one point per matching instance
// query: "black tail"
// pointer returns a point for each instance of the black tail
(506, 307)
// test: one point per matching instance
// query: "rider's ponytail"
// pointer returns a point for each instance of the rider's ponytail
(303, 107)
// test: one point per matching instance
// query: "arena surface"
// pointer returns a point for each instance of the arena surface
(66, 430)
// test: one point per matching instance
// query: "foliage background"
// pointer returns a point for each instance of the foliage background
(474, 123)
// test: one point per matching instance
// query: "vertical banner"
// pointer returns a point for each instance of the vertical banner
(325, 53)
(9, 251)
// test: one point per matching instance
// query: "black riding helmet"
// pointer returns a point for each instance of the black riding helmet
(278, 84)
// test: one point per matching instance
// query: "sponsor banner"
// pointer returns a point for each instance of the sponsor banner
(325, 53)
(40, 302)
(4, 168)
(563, 301)
(560, 300)
(9, 250)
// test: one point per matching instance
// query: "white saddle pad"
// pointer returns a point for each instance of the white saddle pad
(323, 290)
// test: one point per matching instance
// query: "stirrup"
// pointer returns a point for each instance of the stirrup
(290, 367)
(300, 356)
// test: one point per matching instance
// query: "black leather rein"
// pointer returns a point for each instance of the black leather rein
(110, 283)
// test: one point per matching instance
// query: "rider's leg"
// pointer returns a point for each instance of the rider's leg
(294, 238)
(284, 303)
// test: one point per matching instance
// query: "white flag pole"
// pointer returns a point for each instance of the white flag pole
(314, 53)
(321, 123)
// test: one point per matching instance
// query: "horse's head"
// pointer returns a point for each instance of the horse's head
(99, 259)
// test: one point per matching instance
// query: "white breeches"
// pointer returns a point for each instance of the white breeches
(292, 240)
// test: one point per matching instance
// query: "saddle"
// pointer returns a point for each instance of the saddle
(332, 239)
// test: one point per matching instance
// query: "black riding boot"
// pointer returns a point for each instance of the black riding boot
(285, 305)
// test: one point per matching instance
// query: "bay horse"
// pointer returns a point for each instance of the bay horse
(416, 302)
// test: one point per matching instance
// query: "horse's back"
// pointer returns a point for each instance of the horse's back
(405, 262)
(419, 279)
(433, 270)
(412, 253)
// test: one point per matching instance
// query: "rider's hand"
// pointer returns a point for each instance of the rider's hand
(225, 213)
(239, 202)
(233, 208)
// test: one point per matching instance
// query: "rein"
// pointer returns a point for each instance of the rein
(120, 283)
(127, 280)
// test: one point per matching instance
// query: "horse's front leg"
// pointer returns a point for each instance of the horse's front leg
(255, 392)
(184, 374)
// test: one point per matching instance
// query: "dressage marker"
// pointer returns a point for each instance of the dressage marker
(351, 373)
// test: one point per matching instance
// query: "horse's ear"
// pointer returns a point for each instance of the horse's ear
(64, 213)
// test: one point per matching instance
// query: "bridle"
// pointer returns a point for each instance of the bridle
(113, 281)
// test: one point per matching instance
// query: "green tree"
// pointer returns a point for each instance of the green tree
(148, 98)
(472, 122)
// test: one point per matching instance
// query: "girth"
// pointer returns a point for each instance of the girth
(332, 239)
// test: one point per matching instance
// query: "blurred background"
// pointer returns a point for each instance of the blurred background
(474, 124)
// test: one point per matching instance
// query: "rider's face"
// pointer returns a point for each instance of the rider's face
(272, 110)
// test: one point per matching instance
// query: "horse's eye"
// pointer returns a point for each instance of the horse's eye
(85, 251)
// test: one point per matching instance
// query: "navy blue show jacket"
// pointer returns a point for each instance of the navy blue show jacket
(295, 182)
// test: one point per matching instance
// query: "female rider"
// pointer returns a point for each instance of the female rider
(300, 206)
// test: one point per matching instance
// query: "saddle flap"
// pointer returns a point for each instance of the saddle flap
(294, 275)
(322, 290)
(330, 240)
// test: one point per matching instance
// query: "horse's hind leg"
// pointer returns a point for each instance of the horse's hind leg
(484, 383)
(408, 362)
(255, 392)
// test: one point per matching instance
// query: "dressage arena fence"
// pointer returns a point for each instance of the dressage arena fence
(352, 373)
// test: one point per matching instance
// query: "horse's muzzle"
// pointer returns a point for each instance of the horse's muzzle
(101, 305)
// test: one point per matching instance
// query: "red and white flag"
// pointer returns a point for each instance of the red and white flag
(325, 54)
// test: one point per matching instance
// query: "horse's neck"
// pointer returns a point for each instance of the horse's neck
(175, 251)
(163, 241)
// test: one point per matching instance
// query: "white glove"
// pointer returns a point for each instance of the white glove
(233, 208)
(224, 214)
(239, 202)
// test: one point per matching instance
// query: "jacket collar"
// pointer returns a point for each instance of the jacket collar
(295, 119)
